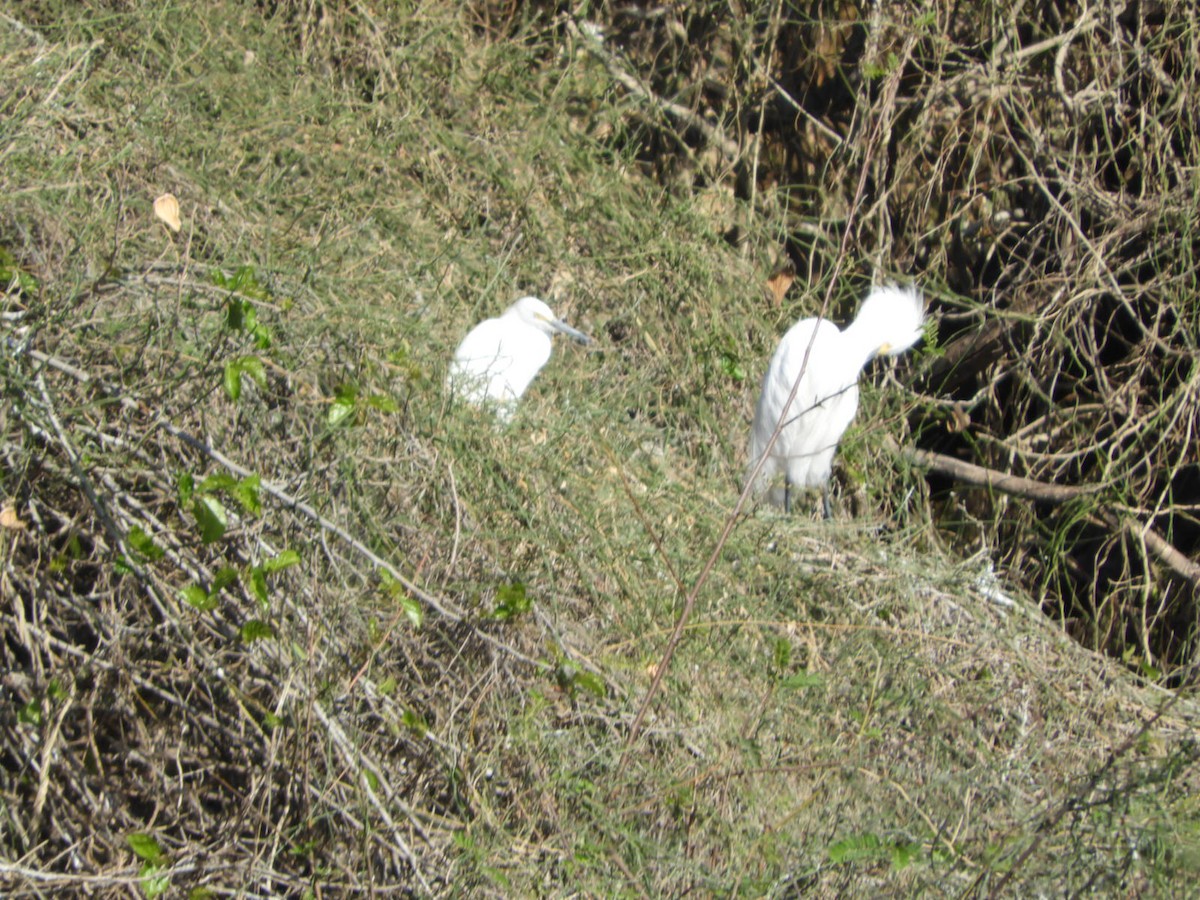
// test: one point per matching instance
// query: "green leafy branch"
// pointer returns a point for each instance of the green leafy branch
(212, 520)
(241, 316)
(348, 406)
(154, 860)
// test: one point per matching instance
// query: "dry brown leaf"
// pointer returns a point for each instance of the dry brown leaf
(166, 208)
(960, 419)
(9, 518)
(779, 283)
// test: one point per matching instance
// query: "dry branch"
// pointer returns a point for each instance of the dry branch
(1018, 486)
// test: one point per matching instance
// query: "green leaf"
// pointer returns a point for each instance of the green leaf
(220, 481)
(253, 366)
(9, 270)
(803, 680)
(413, 610)
(410, 605)
(225, 576)
(256, 630)
(242, 278)
(904, 855)
(343, 406)
(153, 884)
(511, 601)
(383, 403)
(462, 840)
(198, 597)
(249, 319)
(272, 721)
(248, 492)
(262, 337)
(30, 713)
(593, 684)
(415, 723)
(146, 847)
(144, 544)
(285, 559)
(781, 654)
(863, 846)
(235, 312)
(233, 381)
(211, 517)
(732, 367)
(243, 281)
(876, 70)
(304, 848)
(201, 893)
(387, 687)
(258, 586)
(340, 412)
(186, 487)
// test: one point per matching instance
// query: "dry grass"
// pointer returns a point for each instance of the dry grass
(852, 708)
(1036, 170)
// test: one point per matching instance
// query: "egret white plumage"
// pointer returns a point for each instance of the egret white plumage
(499, 357)
(888, 323)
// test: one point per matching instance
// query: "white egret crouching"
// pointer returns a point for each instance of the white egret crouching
(499, 357)
(888, 323)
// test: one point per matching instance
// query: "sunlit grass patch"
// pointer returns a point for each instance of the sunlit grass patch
(304, 623)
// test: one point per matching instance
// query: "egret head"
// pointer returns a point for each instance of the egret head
(537, 314)
(894, 318)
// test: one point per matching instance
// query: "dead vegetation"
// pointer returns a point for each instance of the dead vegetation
(275, 619)
(1036, 170)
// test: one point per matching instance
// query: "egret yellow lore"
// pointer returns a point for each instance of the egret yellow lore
(499, 357)
(889, 321)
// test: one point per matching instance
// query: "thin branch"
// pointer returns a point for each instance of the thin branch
(1071, 801)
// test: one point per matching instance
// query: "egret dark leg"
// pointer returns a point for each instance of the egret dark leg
(825, 509)
(787, 496)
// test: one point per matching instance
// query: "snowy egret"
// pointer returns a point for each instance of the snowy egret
(888, 323)
(499, 357)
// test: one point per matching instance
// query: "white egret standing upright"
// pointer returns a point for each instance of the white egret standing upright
(888, 323)
(499, 357)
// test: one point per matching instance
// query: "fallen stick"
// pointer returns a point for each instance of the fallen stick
(1018, 486)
